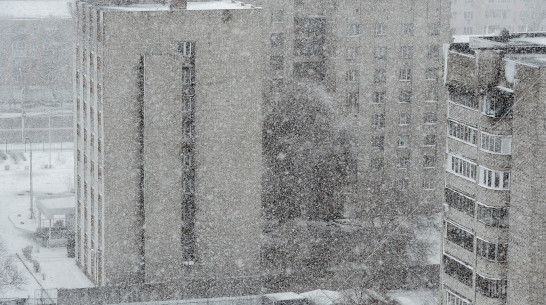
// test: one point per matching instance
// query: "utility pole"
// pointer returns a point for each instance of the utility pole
(31, 189)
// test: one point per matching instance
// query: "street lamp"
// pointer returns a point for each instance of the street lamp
(31, 190)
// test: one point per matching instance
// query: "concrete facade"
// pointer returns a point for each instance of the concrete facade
(493, 240)
(474, 17)
(381, 61)
(168, 107)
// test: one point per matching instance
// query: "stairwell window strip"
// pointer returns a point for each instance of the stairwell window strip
(461, 167)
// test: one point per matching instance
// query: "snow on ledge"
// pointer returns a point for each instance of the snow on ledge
(192, 6)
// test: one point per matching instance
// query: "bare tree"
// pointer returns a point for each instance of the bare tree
(10, 276)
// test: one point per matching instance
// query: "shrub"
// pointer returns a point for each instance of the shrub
(27, 252)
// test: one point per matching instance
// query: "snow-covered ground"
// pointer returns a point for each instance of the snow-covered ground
(57, 270)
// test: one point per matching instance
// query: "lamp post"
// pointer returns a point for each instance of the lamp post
(31, 190)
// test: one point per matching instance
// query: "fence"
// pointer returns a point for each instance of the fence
(38, 127)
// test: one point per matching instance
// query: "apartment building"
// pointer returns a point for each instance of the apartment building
(167, 99)
(493, 243)
(35, 64)
(474, 17)
(381, 62)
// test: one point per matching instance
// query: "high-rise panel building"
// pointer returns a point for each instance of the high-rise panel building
(381, 62)
(494, 243)
(475, 17)
(168, 159)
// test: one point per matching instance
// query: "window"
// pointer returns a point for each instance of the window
(429, 181)
(378, 141)
(380, 29)
(430, 118)
(454, 299)
(403, 184)
(298, 2)
(431, 95)
(491, 251)
(499, 144)
(379, 97)
(493, 179)
(377, 164)
(352, 76)
(467, 30)
(433, 28)
(353, 30)
(309, 46)
(403, 162)
(431, 74)
(188, 76)
(495, 14)
(352, 99)
(405, 74)
(186, 48)
(187, 104)
(403, 141)
(277, 39)
(461, 167)
(380, 52)
(462, 132)
(353, 52)
(277, 16)
(459, 235)
(406, 52)
(458, 270)
(188, 186)
(429, 161)
(378, 120)
(492, 216)
(498, 104)
(379, 76)
(433, 51)
(468, 15)
(277, 62)
(460, 202)
(405, 96)
(429, 140)
(405, 119)
(493, 288)
(407, 29)
(463, 98)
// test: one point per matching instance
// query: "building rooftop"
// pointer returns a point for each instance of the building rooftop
(202, 5)
(34, 9)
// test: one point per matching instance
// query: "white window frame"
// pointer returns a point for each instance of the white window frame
(500, 144)
(489, 177)
(378, 120)
(405, 119)
(431, 74)
(405, 74)
(455, 299)
(379, 97)
(353, 52)
(187, 48)
(461, 132)
(406, 52)
(380, 52)
(380, 29)
(404, 141)
(353, 30)
(462, 167)
(352, 76)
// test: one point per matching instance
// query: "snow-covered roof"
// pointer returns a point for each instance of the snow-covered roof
(34, 9)
(283, 296)
(195, 6)
(324, 297)
(56, 205)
